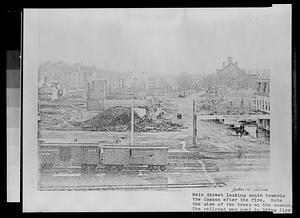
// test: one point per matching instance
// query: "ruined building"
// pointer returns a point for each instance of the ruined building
(70, 77)
(96, 95)
(47, 92)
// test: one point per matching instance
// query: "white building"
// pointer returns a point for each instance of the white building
(47, 92)
(262, 96)
(262, 100)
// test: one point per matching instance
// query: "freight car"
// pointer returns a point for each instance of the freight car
(116, 157)
(86, 155)
(110, 157)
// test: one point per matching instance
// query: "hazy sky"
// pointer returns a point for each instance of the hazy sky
(165, 40)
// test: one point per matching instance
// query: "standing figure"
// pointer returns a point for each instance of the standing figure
(241, 152)
(241, 130)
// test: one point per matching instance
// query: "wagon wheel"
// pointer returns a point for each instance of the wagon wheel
(162, 168)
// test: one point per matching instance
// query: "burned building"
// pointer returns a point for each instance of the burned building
(159, 86)
(48, 92)
(70, 77)
(96, 95)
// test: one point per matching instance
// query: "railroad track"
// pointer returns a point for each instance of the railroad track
(131, 187)
(174, 167)
(192, 170)
(79, 172)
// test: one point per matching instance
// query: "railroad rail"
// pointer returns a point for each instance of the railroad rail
(131, 187)
(220, 117)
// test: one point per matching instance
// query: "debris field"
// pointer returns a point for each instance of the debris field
(119, 119)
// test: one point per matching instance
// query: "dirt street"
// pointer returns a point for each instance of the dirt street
(233, 161)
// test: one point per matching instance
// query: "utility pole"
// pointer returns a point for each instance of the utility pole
(194, 124)
(132, 122)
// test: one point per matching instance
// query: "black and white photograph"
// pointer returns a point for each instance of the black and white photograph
(160, 100)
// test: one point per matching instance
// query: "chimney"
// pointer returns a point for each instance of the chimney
(229, 60)
(223, 64)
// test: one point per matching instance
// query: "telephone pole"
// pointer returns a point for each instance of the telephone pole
(194, 124)
(132, 122)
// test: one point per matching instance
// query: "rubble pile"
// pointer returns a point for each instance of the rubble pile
(59, 115)
(109, 120)
(119, 119)
(227, 101)
(144, 125)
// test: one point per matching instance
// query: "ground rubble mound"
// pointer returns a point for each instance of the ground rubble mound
(119, 119)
